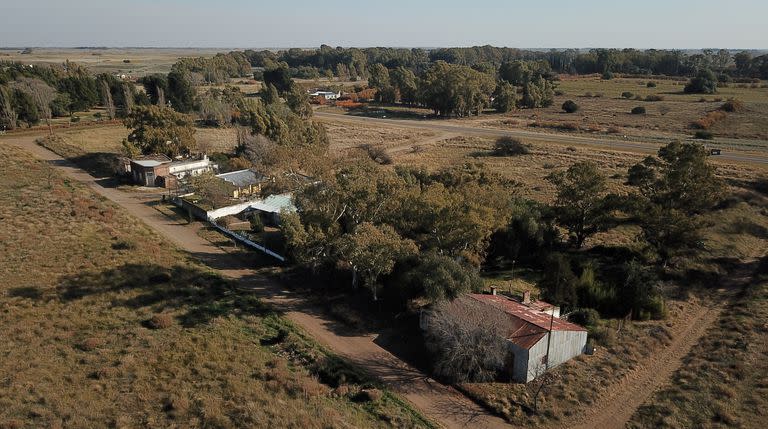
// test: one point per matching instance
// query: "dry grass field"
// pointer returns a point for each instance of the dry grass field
(603, 110)
(105, 324)
(142, 61)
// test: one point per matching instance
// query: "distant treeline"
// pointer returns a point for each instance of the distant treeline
(355, 62)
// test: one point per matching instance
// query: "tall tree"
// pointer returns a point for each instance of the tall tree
(675, 188)
(156, 129)
(372, 251)
(106, 99)
(8, 115)
(504, 97)
(581, 205)
(41, 94)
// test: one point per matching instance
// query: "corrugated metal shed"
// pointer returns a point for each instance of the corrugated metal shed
(242, 178)
(275, 204)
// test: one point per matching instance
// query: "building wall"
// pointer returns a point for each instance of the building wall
(565, 346)
(519, 370)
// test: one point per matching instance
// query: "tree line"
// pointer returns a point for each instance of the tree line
(355, 62)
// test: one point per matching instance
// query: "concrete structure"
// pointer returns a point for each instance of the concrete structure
(182, 169)
(527, 329)
(246, 182)
(159, 170)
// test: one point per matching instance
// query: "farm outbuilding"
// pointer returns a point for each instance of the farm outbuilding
(526, 326)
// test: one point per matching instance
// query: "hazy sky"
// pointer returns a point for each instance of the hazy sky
(430, 23)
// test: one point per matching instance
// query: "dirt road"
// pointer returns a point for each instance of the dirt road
(620, 401)
(470, 130)
(442, 404)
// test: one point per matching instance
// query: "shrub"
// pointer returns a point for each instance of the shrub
(378, 154)
(161, 321)
(709, 120)
(587, 317)
(123, 245)
(74, 119)
(257, 225)
(570, 106)
(627, 95)
(732, 106)
(650, 84)
(607, 75)
(654, 97)
(639, 110)
(703, 83)
(703, 135)
(510, 146)
(90, 344)
(368, 395)
(559, 92)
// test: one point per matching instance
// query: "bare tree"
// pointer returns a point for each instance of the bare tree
(467, 340)
(8, 116)
(106, 99)
(42, 94)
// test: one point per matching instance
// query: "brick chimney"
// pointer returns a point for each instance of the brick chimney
(527, 297)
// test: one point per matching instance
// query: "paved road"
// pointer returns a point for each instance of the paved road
(438, 402)
(532, 136)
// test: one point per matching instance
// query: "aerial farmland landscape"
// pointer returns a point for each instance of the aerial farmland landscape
(408, 215)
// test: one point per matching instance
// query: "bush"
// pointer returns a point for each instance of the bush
(587, 317)
(709, 120)
(123, 245)
(704, 83)
(732, 106)
(626, 94)
(639, 110)
(570, 106)
(161, 321)
(510, 146)
(257, 225)
(654, 97)
(703, 135)
(378, 154)
(650, 84)
(607, 75)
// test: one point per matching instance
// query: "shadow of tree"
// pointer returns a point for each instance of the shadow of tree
(200, 295)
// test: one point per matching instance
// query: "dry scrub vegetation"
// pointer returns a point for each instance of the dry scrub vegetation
(724, 380)
(106, 325)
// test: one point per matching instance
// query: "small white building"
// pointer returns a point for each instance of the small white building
(328, 95)
(527, 327)
(195, 167)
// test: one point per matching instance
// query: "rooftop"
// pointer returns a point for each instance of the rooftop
(528, 314)
(242, 178)
(275, 204)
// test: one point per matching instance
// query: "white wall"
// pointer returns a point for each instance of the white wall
(565, 346)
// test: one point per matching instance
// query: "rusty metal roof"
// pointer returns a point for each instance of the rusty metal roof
(526, 325)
